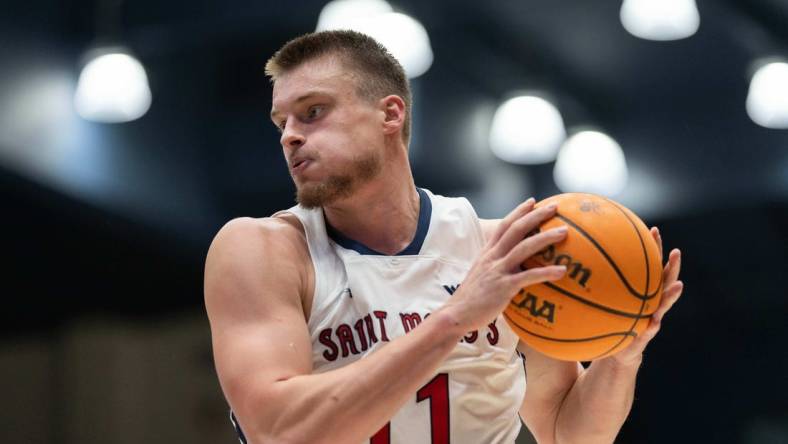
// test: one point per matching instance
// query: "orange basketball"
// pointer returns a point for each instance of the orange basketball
(612, 286)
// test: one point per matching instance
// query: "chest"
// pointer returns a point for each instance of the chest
(378, 299)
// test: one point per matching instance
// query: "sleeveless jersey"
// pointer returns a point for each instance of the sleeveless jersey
(364, 299)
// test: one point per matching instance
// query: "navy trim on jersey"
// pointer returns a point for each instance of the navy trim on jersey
(425, 214)
(234, 420)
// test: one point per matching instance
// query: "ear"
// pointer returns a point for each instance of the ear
(393, 108)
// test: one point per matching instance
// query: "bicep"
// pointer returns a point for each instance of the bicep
(259, 334)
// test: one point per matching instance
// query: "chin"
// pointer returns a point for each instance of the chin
(319, 194)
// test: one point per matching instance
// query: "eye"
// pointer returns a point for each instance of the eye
(281, 126)
(314, 111)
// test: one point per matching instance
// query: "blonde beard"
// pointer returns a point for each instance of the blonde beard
(341, 185)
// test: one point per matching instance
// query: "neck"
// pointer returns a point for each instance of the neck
(383, 213)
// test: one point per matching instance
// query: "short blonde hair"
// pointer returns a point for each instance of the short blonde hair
(379, 74)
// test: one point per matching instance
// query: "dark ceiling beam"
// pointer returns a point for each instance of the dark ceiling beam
(771, 18)
(498, 61)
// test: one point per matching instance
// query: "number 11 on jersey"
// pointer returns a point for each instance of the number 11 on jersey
(437, 392)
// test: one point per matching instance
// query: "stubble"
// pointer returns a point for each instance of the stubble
(340, 185)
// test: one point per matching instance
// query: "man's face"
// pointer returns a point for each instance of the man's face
(332, 139)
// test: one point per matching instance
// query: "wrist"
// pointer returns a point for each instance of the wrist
(451, 321)
(624, 363)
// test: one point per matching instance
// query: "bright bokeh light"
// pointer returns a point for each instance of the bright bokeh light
(112, 88)
(527, 130)
(660, 19)
(339, 13)
(402, 35)
(591, 162)
(42, 112)
(767, 99)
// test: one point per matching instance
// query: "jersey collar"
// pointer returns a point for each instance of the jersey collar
(425, 214)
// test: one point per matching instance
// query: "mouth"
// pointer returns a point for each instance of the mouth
(300, 165)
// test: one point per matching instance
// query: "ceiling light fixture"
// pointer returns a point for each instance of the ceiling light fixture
(591, 162)
(767, 99)
(527, 130)
(660, 19)
(404, 37)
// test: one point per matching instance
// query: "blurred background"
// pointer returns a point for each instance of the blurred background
(130, 132)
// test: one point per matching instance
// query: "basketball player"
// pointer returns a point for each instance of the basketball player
(342, 319)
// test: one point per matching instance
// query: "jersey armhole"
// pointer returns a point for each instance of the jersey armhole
(312, 255)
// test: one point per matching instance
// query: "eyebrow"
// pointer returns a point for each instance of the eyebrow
(300, 99)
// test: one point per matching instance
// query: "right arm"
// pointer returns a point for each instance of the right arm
(262, 347)
(254, 279)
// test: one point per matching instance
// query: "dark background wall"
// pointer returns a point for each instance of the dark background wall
(105, 226)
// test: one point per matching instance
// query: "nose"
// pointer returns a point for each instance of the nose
(292, 137)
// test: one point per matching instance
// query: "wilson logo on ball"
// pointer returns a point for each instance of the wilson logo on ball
(575, 270)
(530, 302)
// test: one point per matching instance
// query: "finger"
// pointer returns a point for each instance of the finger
(532, 245)
(667, 270)
(658, 238)
(515, 214)
(648, 334)
(520, 228)
(672, 268)
(537, 275)
(669, 297)
(640, 341)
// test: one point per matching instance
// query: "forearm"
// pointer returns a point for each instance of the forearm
(351, 403)
(597, 404)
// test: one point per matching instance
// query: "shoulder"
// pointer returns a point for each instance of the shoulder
(246, 235)
(249, 253)
(280, 223)
(488, 226)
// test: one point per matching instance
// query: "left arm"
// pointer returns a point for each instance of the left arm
(566, 404)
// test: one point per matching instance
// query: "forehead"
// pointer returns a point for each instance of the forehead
(323, 76)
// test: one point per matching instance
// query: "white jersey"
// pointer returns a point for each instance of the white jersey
(364, 299)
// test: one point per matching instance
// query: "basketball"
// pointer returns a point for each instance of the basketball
(612, 285)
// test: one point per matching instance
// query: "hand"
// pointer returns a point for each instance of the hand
(496, 276)
(671, 291)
